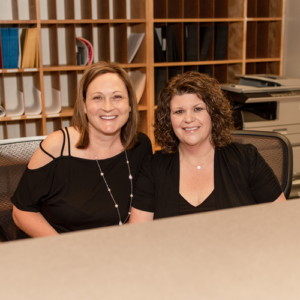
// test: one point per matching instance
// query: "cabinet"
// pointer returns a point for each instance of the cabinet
(253, 45)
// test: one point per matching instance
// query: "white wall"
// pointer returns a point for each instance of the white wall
(291, 50)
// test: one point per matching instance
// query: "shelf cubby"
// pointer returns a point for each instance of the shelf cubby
(191, 9)
(49, 40)
(66, 44)
(137, 9)
(160, 9)
(175, 9)
(3, 130)
(18, 10)
(68, 88)
(100, 9)
(33, 127)
(52, 94)
(263, 68)
(264, 8)
(235, 40)
(174, 71)
(206, 9)
(143, 121)
(32, 93)
(101, 38)
(53, 124)
(16, 129)
(66, 122)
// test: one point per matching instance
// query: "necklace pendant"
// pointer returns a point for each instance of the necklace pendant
(120, 223)
(198, 167)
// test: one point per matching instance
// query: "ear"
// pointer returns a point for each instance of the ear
(84, 107)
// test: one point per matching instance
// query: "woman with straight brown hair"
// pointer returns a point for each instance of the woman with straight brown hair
(82, 176)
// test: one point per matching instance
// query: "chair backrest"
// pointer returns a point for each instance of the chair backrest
(14, 157)
(277, 151)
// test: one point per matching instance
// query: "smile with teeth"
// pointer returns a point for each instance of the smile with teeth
(192, 128)
(108, 117)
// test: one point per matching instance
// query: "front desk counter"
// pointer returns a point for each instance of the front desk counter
(243, 253)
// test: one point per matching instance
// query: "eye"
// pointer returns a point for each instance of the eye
(97, 97)
(118, 97)
(180, 111)
(199, 109)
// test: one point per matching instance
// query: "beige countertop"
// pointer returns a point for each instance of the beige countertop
(243, 253)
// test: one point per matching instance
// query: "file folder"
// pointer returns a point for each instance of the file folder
(221, 41)
(191, 37)
(5, 48)
(14, 47)
(206, 34)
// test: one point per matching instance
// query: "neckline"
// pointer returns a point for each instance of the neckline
(207, 198)
(178, 178)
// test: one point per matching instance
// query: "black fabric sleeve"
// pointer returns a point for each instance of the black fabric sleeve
(144, 189)
(263, 182)
(34, 186)
(146, 143)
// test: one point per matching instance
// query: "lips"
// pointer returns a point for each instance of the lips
(191, 128)
(108, 117)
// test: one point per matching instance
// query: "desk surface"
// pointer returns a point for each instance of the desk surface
(242, 253)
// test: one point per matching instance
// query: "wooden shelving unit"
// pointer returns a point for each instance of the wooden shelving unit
(255, 29)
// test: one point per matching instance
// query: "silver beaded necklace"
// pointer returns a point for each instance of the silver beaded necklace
(109, 190)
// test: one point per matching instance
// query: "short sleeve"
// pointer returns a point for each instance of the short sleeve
(263, 183)
(145, 143)
(144, 189)
(34, 186)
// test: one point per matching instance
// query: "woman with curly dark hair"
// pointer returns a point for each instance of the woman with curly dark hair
(199, 168)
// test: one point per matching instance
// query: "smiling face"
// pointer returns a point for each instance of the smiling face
(107, 104)
(191, 121)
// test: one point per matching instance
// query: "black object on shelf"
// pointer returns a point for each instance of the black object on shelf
(206, 34)
(172, 47)
(221, 41)
(207, 70)
(159, 47)
(174, 71)
(191, 36)
(160, 78)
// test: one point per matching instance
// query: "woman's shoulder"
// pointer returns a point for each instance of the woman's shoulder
(237, 154)
(49, 149)
(159, 159)
(143, 139)
(243, 149)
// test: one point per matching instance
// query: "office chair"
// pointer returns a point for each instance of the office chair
(277, 151)
(14, 157)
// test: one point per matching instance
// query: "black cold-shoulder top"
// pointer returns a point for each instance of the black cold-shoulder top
(70, 193)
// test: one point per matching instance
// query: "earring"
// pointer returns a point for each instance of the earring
(129, 109)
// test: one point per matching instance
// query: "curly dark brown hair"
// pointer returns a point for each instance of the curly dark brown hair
(207, 89)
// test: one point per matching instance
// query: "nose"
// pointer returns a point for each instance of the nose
(189, 117)
(107, 105)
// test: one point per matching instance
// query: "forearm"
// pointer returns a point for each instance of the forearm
(32, 223)
(280, 198)
(139, 216)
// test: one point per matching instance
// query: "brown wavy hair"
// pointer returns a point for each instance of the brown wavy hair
(207, 89)
(80, 120)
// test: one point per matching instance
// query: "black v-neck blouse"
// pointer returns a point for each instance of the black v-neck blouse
(241, 177)
(186, 208)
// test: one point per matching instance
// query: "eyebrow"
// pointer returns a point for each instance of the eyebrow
(102, 93)
(179, 107)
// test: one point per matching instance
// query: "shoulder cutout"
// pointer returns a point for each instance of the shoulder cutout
(52, 144)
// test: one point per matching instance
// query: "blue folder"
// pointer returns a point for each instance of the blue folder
(14, 47)
(5, 48)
